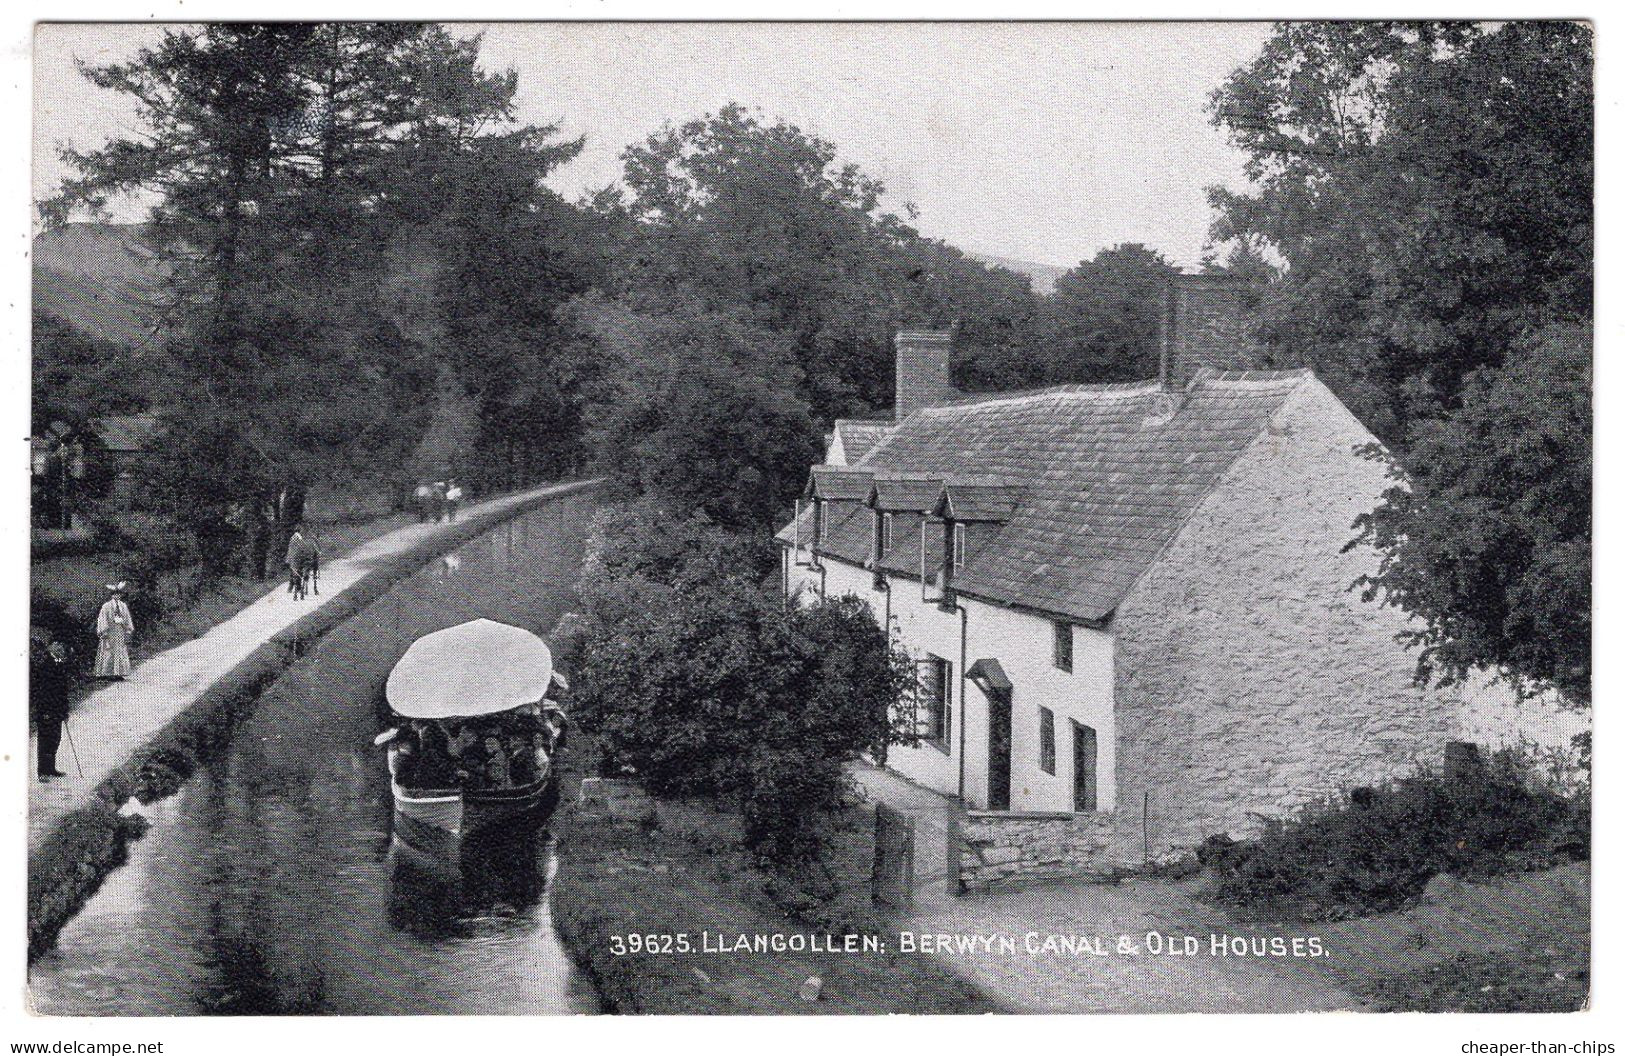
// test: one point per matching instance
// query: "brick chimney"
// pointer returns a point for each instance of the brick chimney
(1205, 324)
(922, 370)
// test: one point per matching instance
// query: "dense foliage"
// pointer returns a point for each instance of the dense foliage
(698, 408)
(78, 377)
(701, 679)
(1488, 528)
(1426, 190)
(1376, 849)
(294, 167)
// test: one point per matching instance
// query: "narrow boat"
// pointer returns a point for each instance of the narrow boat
(474, 734)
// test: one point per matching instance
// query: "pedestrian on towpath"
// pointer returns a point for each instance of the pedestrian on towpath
(423, 497)
(114, 626)
(454, 499)
(439, 500)
(302, 559)
(49, 682)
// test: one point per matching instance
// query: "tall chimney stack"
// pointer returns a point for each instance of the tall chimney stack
(923, 378)
(1205, 324)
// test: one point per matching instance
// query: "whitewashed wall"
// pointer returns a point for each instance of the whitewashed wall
(1023, 645)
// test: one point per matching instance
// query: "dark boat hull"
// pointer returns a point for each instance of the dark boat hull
(440, 821)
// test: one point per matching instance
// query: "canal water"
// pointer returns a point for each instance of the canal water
(270, 884)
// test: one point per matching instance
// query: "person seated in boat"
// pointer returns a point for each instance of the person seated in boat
(541, 744)
(435, 766)
(557, 724)
(462, 738)
(521, 761)
(496, 772)
(404, 754)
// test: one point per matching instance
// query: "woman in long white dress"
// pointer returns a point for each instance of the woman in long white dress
(113, 629)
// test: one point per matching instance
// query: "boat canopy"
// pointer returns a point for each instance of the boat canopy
(477, 668)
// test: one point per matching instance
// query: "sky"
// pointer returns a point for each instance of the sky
(1040, 142)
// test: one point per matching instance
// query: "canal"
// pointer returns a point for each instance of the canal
(270, 885)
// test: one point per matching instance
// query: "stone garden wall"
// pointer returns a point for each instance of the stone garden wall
(998, 848)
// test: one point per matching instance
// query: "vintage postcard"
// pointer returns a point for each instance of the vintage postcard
(812, 518)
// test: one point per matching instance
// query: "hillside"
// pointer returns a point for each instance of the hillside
(99, 279)
(1043, 275)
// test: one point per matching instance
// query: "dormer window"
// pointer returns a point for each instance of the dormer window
(885, 534)
(819, 522)
(959, 546)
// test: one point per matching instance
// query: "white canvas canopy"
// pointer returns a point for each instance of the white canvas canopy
(477, 668)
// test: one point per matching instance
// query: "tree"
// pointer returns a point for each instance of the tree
(1427, 188)
(762, 219)
(292, 163)
(1106, 317)
(78, 377)
(1486, 535)
(698, 408)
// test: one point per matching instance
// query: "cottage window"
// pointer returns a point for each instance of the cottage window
(933, 700)
(885, 534)
(1046, 740)
(1063, 646)
(820, 517)
(959, 546)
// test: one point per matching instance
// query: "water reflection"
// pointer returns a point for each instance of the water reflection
(499, 875)
(272, 885)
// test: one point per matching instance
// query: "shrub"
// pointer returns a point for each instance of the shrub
(1374, 849)
(701, 679)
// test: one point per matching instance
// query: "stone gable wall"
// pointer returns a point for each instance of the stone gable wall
(1250, 678)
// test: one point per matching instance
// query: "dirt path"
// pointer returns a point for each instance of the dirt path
(113, 721)
(1033, 979)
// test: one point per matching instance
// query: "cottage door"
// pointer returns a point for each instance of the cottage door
(1083, 767)
(998, 749)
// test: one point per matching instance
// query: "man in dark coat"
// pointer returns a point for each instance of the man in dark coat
(49, 681)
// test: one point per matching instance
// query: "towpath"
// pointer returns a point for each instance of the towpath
(1058, 981)
(111, 723)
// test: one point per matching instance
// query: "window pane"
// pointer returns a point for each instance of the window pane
(931, 714)
(1046, 740)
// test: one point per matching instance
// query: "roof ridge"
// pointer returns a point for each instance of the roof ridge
(1210, 375)
(1108, 388)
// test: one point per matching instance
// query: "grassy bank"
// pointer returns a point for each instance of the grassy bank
(683, 873)
(72, 860)
(1517, 943)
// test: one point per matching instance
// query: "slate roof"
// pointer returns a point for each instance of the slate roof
(1106, 475)
(859, 436)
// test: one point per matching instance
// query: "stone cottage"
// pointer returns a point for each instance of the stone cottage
(1129, 604)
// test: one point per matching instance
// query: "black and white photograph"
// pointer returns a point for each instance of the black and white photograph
(817, 518)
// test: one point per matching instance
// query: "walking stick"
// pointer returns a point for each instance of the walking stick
(74, 748)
